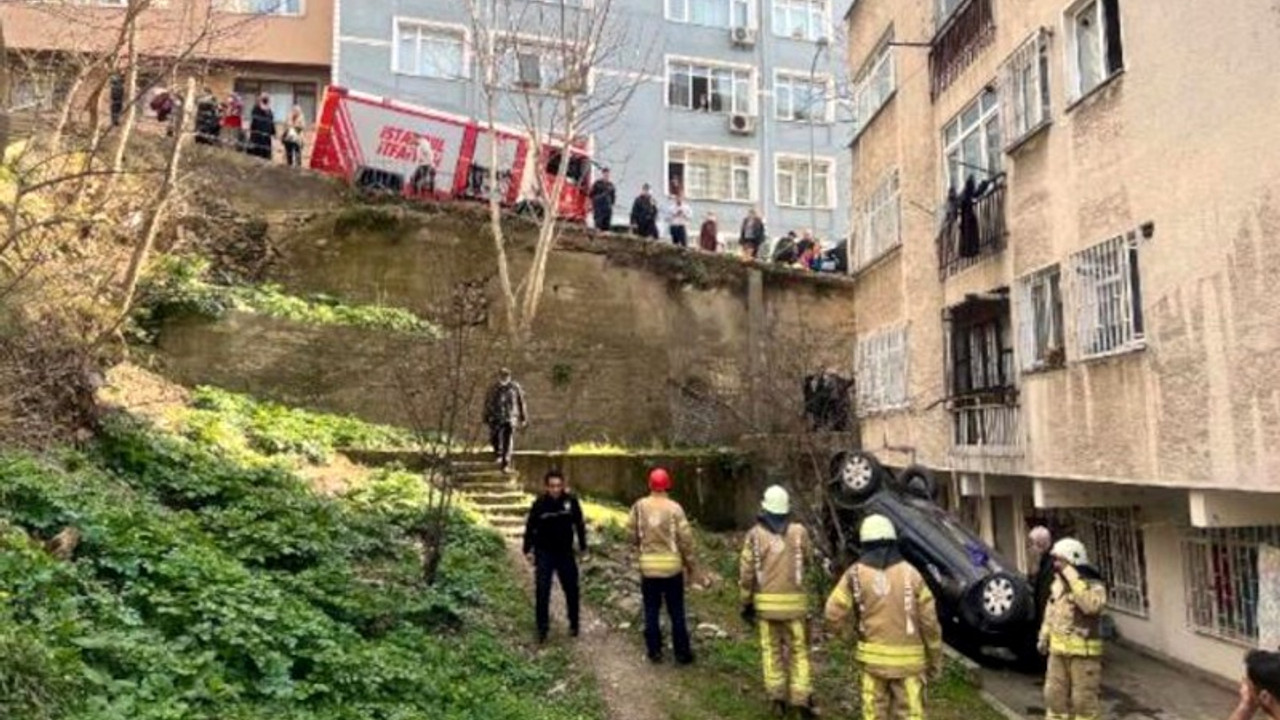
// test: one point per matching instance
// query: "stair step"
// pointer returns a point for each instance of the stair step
(490, 475)
(502, 497)
(506, 521)
(490, 488)
(505, 510)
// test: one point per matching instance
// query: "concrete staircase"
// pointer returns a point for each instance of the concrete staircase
(497, 496)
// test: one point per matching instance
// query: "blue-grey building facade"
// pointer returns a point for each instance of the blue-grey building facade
(732, 98)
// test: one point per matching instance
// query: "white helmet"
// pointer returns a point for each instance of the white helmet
(1070, 550)
(877, 528)
(777, 500)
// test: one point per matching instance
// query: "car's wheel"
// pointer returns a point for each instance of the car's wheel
(1001, 599)
(919, 481)
(855, 477)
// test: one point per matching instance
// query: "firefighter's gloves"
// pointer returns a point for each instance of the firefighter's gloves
(1069, 574)
(748, 613)
(936, 668)
(1043, 645)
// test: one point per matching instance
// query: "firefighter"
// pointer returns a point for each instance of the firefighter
(1070, 635)
(899, 640)
(771, 573)
(661, 534)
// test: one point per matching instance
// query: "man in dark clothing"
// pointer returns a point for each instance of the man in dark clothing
(208, 118)
(1041, 541)
(752, 236)
(504, 409)
(262, 128)
(554, 520)
(117, 98)
(603, 196)
(644, 215)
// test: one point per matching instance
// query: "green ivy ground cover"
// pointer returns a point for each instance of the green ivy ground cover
(210, 586)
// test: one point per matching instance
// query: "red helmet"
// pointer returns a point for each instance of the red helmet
(659, 480)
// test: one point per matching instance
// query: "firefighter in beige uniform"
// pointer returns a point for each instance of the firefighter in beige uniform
(661, 533)
(771, 573)
(899, 638)
(1070, 635)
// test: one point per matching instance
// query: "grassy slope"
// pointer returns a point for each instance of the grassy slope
(726, 681)
(212, 583)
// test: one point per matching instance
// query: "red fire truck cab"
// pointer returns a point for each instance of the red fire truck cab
(381, 144)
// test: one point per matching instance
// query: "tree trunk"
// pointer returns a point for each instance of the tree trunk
(131, 98)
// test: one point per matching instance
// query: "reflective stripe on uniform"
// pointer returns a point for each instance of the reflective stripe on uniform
(915, 698)
(661, 564)
(1075, 646)
(781, 602)
(891, 656)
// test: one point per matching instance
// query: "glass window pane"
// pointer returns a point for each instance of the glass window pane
(1088, 47)
(408, 60)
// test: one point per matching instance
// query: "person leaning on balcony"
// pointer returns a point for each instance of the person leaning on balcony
(1260, 686)
(1071, 635)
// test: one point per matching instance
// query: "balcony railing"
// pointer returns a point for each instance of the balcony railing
(965, 33)
(987, 429)
(974, 229)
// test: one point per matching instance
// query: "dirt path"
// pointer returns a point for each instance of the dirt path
(631, 687)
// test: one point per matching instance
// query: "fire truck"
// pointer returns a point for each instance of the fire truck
(385, 145)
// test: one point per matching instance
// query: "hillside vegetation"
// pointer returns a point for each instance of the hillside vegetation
(210, 582)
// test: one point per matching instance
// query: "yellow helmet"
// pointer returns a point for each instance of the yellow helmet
(877, 528)
(776, 500)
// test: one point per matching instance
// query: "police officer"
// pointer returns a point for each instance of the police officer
(554, 520)
(899, 640)
(1071, 635)
(661, 534)
(771, 572)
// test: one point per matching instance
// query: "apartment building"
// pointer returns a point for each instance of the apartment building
(1067, 239)
(280, 47)
(733, 98)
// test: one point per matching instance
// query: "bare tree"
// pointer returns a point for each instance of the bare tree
(557, 71)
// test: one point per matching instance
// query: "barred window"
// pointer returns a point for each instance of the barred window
(1114, 539)
(1108, 297)
(882, 371)
(1220, 577)
(879, 225)
(1024, 89)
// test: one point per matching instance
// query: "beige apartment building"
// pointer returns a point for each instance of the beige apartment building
(280, 47)
(1067, 236)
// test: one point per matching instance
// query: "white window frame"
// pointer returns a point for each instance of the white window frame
(991, 155)
(1052, 312)
(730, 5)
(869, 95)
(819, 161)
(822, 81)
(1206, 553)
(881, 359)
(1075, 82)
(1025, 106)
(238, 7)
(1117, 548)
(752, 108)
(752, 168)
(820, 31)
(878, 228)
(460, 31)
(1106, 287)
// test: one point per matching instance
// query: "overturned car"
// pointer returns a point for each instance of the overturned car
(983, 602)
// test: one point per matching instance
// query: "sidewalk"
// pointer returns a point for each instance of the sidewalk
(1134, 687)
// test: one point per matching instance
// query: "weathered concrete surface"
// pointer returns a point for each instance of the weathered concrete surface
(1135, 687)
(636, 343)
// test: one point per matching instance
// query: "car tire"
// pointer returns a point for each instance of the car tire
(1000, 600)
(918, 481)
(854, 477)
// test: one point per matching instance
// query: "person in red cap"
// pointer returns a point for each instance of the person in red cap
(661, 534)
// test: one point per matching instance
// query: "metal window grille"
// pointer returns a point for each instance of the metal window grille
(1108, 297)
(1220, 577)
(1114, 539)
(879, 228)
(882, 371)
(987, 426)
(1040, 334)
(1024, 89)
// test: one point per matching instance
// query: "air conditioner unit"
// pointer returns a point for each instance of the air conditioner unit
(743, 36)
(740, 124)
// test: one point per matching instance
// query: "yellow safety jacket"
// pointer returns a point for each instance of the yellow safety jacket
(1073, 617)
(898, 631)
(661, 533)
(771, 571)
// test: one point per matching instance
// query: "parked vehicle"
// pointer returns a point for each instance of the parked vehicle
(983, 601)
(381, 144)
